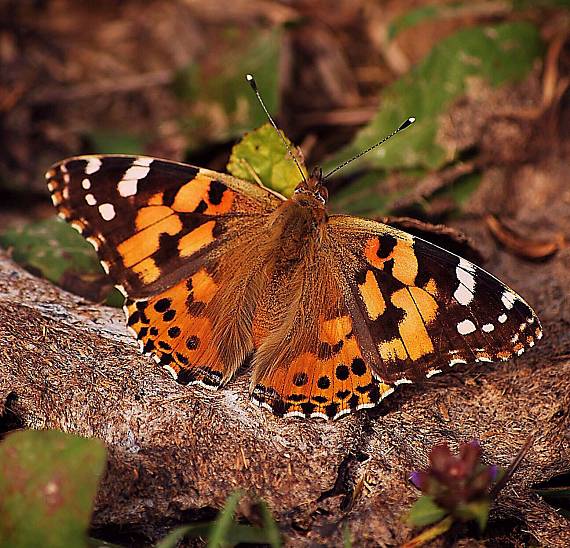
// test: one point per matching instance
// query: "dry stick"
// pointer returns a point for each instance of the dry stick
(512, 467)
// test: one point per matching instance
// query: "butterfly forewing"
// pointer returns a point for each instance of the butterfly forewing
(152, 220)
(422, 309)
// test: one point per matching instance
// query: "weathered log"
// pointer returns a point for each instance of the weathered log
(175, 453)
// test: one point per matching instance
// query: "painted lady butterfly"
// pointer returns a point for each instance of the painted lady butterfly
(331, 312)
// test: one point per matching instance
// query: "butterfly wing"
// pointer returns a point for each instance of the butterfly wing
(170, 236)
(308, 361)
(422, 309)
(378, 308)
(151, 221)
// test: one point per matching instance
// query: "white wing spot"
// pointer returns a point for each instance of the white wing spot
(432, 372)
(143, 161)
(127, 187)
(402, 381)
(90, 199)
(502, 318)
(93, 165)
(488, 327)
(94, 242)
(465, 327)
(107, 211)
(464, 272)
(508, 299)
(139, 170)
(86, 184)
(455, 361)
(136, 171)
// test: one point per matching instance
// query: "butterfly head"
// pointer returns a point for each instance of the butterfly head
(314, 187)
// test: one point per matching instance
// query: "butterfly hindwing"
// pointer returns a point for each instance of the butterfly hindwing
(310, 364)
(422, 309)
(151, 220)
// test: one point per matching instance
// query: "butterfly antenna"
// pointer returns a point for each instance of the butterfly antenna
(403, 126)
(253, 85)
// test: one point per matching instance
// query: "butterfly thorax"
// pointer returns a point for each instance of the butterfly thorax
(298, 224)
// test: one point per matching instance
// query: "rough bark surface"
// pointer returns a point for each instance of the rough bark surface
(175, 452)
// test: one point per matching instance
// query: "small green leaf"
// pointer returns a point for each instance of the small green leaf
(412, 18)
(556, 493)
(496, 54)
(425, 512)
(224, 521)
(53, 249)
(270, 527)
(477, 510)
(346, 536)
(430, 533)
(48, 482)
(195, 530)
(261, 152)
(224, 531)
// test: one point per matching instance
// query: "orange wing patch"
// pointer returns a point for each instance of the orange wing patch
(171, 326)
(329, 383)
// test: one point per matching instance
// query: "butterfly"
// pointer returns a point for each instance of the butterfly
(329, 312)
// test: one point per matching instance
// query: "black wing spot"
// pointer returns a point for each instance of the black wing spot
(342, 372)
(358, 366)
(162, 305)
(216, 192)
(300, 379)
(324, 382)
(192, 342)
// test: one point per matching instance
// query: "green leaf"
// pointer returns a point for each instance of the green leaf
(270, 527)
(225, 532)
(431, 533)
(477, 510)
(195, 530)
(496, 54)
(53, 249)
(224, 521)
(48, 482)
(425, 512)
(220, 103)
(412, 18)
(556, 492)
(262, 153)
(346, 536)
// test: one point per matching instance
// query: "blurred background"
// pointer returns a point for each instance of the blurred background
(487, 82)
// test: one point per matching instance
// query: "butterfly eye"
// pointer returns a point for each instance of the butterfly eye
(323, 194)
